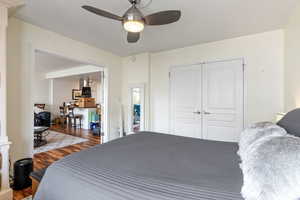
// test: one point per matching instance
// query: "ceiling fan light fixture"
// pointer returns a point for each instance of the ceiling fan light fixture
(134, 21)
(134, 26)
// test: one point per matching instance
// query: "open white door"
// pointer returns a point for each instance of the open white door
(186, 101)
(223, 100)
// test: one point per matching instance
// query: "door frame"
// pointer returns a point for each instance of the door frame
(171, 68)
(32, 65)
(142, 87)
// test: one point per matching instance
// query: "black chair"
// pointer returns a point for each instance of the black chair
(42, 119)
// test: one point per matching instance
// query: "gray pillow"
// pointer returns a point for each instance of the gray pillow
(291, 122)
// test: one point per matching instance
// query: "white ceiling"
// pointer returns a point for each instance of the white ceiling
(46, 62)
(202, 21)
(96, 76)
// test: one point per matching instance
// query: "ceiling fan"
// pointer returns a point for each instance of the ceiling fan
(134, 21)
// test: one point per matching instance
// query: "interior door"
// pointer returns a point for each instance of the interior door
(186, 101)
(223, 100)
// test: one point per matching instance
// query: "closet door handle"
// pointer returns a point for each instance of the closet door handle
(197, 113)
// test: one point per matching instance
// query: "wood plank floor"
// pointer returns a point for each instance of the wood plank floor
(44, 159)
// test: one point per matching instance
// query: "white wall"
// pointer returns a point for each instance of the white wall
(263, 53)
(97, 91)
(62, 92)
(136, 70)
(41, 89)
(264, 87)
(23, 39)
(264, 57)
(292, 61)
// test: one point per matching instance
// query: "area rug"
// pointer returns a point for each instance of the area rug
(57, 140)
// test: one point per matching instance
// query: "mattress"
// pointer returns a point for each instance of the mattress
(149, 166)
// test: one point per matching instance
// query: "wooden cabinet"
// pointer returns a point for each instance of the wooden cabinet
(87, 103)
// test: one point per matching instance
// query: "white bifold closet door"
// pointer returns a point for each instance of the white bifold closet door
(207, 101)
(186, 101)
(223, 100)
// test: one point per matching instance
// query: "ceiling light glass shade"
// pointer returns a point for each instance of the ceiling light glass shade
(134, 26)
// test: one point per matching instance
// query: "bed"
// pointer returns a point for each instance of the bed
(149, 166)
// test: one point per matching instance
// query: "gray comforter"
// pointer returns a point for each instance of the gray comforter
(147, 166)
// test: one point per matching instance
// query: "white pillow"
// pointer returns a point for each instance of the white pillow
(256, 133)
(272, 170)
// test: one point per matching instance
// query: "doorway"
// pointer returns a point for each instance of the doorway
(136, 114)
(70, 103)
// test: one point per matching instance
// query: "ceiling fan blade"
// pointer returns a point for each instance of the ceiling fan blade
(133, 37)
(102, 13)
(164, 17)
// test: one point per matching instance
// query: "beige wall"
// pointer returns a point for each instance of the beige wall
(23, 38)
(41, 88)
(264, 58)
(61, 92)
(264, 90)
(136, 70)
(292, 62)
(263, 54)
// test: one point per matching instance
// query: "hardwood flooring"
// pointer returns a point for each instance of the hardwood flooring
(45, 159)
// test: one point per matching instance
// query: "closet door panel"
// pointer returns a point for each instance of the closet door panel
(186, 101)
(223, 100)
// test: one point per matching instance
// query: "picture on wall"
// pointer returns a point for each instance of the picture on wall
(76, 94)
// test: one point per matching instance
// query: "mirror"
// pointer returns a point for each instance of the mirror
(136, 108)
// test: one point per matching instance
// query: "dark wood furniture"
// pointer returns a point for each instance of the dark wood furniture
(71, 116)
(39, 138)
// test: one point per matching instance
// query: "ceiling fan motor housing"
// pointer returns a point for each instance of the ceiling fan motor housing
(133, 14)
(134, 21)
(135, 2)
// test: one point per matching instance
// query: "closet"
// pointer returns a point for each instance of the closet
(207, 100)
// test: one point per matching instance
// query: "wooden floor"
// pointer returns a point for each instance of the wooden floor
(44, 159)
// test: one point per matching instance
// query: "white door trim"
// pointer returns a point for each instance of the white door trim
(5, 190)
(33, 50)
(12, 3)
(3, 73)
(142, 86)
